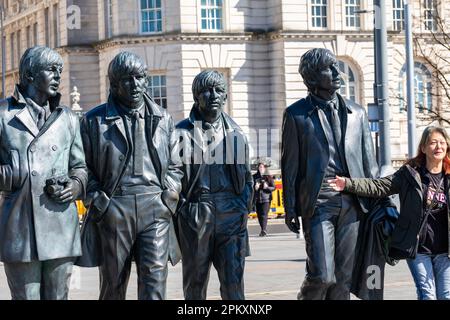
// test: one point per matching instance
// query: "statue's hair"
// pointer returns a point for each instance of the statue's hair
(35, 59)
(207, 78)
(312, 62)
(125, 63)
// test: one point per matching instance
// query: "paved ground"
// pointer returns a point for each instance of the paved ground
(274, 272)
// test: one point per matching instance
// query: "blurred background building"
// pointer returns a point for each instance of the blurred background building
(257, 44)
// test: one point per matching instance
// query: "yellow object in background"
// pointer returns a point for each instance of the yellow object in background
(80, 208)
(276, 206)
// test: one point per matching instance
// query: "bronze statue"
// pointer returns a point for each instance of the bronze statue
(325, 135)
(216, 192)
(133, 184)
(43, 171)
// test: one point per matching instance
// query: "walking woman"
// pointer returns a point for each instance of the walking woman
(422, 231)
(264, 187)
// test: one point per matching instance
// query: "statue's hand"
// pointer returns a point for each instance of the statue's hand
(292, 221)
(70, 193)
(170, 199)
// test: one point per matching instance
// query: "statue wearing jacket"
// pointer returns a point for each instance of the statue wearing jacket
(325, 135)
(42, 172)
(133, 185)
(216, 193)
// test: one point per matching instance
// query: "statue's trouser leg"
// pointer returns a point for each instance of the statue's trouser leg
(196, 231)
(230, 246)
(330, 237)
(118, 232)
(46, 280)
(152, 247)
(346, 234)
(129, 225)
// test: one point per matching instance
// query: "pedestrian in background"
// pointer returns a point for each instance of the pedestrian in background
(264, 186)
(422, 231)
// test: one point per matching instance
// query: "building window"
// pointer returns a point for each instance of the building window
(29, 37)
(430, 14)
(12, 55)
(211, 13)
(18, 44)
(352, 19)
(35, 34)
(108, 18)
(55, 25)
(422, 88)
(348, 82)
(47, 28)
(151, 16)
(397, 15)
(319, 13)
(158, 89)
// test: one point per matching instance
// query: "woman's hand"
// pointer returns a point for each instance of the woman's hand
(337, 184)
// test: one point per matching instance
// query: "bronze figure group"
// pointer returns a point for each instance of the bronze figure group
(159, 192)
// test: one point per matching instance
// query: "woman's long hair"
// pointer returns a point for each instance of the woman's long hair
(420, 159)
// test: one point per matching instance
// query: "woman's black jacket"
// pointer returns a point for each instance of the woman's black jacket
(407, 183)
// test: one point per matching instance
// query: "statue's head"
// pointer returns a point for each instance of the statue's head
(210, 94)
(320, 71)
(40, 71)
(127, 74)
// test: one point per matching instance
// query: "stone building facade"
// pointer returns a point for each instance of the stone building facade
(255, 43)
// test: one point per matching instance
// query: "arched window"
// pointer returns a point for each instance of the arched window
(349, 83)
(422, 87)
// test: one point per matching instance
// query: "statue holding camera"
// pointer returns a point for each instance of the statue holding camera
(55, 184)
(42, 172)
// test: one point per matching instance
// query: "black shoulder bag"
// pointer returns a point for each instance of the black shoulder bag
(410, 253)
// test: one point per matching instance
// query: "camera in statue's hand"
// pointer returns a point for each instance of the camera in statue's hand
(63, 189)
(55, 184)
